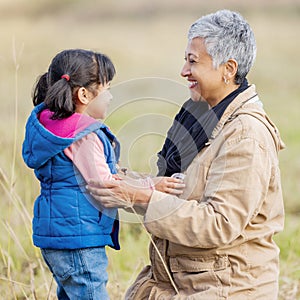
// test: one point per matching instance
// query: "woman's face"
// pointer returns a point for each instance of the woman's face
(205, 82)
(98, 106)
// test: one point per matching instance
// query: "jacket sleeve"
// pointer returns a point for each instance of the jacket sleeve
(237, 183)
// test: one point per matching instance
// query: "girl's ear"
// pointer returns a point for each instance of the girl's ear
(82, 95)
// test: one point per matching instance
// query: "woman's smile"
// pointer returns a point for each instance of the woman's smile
(192, 84)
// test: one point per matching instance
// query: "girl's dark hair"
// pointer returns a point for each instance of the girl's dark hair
(82, 68)
(40, 90)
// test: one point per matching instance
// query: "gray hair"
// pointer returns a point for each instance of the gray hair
(227, 35)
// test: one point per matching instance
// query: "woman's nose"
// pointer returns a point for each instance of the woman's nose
(186, 71)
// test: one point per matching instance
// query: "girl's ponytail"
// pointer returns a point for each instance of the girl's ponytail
(40, 90)
(59, 99)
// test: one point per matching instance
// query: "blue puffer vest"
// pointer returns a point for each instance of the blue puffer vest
(64, 216)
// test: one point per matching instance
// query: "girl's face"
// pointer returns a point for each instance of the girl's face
(98, 105)
(205, 82)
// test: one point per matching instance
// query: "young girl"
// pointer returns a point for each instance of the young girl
(66, 146)
(62, 132)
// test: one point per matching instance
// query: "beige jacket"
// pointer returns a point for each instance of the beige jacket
(217, 240)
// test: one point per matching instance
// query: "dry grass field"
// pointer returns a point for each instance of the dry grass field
(146, 40)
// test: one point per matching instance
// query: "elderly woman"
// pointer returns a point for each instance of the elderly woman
(214, 241)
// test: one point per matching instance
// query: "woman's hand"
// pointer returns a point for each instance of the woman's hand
(119, 193)
(169, 185)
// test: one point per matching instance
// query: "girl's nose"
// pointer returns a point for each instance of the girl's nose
(106, 95)
(109, 95)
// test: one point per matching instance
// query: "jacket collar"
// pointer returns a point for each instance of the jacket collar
(233, 107)
(248, 102)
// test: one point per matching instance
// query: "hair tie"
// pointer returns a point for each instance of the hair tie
(65, 76)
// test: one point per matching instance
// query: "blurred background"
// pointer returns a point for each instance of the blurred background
(146, 40)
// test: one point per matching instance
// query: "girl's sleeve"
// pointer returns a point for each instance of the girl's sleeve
(88, 156)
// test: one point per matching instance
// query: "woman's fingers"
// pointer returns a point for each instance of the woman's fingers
(110, 193)
(94, 183)
(111, 202)
(107, 196)
(103, 183)
(99, 191)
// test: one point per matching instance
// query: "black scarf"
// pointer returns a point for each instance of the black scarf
(191, 129)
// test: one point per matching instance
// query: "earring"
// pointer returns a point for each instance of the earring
(226, 81)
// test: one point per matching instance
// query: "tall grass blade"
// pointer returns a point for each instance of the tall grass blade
(17, 66)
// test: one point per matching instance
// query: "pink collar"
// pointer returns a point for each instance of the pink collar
(68, 127)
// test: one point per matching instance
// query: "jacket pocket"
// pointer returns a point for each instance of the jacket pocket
(106, 220)
(206, 277)
(60, 262)
(41, 212)
(198, 264)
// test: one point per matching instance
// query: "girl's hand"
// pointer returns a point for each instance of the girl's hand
(169, 185)
(116, 177)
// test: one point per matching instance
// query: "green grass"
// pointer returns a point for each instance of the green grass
(144, 41)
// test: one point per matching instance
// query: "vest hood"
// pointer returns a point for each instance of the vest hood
(40, 144)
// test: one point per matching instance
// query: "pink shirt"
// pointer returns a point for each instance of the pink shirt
(87, 153)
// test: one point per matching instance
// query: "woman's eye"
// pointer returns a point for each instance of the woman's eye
(190, 61)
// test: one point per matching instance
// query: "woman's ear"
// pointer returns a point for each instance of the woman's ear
(82, 96)
(231, 67)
